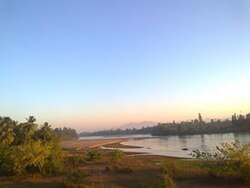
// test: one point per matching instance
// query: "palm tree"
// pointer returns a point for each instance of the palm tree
(31, 119)
(46, 132)
(7, 135)
(29, 128)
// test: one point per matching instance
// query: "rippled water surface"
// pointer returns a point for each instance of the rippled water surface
(177, 146)
(182, 146)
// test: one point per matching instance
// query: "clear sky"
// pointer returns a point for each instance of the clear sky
(102, 63)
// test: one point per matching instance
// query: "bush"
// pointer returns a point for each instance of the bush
(75, 160)
(93, 155)
(6, 161)
(116, 155)
(231, 160)
(55, 162)
(32, 157)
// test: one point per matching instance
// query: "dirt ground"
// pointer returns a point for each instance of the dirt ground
(131, 171)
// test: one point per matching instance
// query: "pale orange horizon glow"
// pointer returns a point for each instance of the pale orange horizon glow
(106, 119)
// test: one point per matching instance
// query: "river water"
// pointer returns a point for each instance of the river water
(181, 146)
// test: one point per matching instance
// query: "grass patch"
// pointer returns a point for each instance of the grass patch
(130, 172)
(31, 185)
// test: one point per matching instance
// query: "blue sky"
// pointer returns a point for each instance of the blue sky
(99, 64)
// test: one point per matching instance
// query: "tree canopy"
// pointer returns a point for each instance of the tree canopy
(37, 147)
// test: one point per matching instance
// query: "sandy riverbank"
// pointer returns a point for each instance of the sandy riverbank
(112, 142)
(107, 143)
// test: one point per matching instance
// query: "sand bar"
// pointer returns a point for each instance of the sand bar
(69, 144)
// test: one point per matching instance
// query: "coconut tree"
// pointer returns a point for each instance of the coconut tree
(31, 119)
(28, 128)
(7, 135)
(45, 132)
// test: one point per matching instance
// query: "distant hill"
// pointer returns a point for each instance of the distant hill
(138, 125)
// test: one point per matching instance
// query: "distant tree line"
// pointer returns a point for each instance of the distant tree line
(241, 122)
(65, 133)
(27, 147)
(112, 132)
(238, 123)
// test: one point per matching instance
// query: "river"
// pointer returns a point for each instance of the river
(180, 146)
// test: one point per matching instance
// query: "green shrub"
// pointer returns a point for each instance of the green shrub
(55, 162)
(75, 160)
(231, 160)
(93, 155)
(6, 161)
(116, 155)
(32, 157)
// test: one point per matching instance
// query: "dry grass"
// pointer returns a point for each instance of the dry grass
(136, 171)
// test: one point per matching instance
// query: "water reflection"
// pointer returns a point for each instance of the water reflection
(183, 141)
(182, 146)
